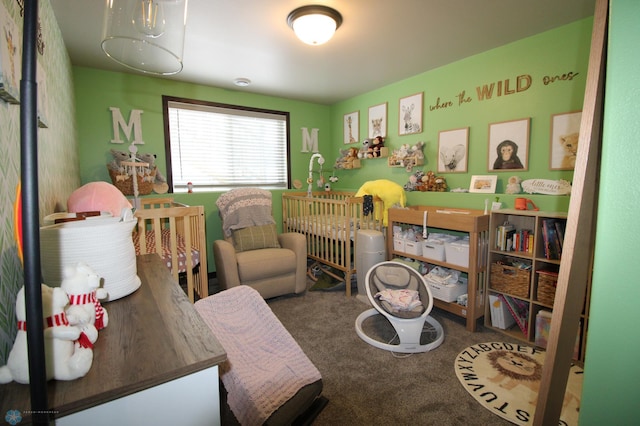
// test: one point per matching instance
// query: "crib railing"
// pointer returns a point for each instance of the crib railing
(188, 223)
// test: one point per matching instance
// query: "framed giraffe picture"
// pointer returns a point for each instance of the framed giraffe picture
(351, 127)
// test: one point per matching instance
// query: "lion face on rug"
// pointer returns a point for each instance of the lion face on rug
(513, 368)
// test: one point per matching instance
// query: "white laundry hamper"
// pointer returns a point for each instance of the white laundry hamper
(104, 244)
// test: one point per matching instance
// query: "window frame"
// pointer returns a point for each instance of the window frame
(166, 99)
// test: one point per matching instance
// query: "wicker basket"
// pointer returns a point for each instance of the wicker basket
(511, 280)
(125, 183)
(546, 288)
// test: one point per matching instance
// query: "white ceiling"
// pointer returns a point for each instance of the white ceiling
(379, 42)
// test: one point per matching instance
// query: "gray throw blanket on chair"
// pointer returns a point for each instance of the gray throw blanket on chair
(244, 207)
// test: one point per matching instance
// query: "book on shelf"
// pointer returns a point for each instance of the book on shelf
(552, 245)
(508, 240)
(511, 239)
(519, 310)
(560, 227)
(502, 233)
(523, 241)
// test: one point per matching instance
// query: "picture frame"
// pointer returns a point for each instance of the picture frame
(10, 57)
(410, 114)
(484, 184)
(377, 121)
(509, 145)
(351, 127)
(563, 143)
(453, 150)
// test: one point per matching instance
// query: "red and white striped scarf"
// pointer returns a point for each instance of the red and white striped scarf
(58, 320)
(83, 299)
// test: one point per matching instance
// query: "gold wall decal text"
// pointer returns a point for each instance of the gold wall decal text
(500, 88)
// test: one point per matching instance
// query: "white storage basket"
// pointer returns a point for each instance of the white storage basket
(104, 244)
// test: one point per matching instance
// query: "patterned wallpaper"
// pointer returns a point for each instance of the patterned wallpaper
(58, 164)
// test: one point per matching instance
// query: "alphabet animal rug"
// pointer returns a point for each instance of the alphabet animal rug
(505, 378)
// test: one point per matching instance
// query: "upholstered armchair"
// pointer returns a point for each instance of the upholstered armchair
(252, 253)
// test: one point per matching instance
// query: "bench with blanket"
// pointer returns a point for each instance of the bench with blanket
(267, 377)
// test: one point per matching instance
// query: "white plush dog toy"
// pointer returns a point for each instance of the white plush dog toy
(82, 285)
(65, 358)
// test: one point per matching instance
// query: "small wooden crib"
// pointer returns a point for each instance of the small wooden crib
(182, 244)
(330, 220)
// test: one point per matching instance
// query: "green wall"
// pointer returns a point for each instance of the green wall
(97, 91)
(610, 392)
(553, 53)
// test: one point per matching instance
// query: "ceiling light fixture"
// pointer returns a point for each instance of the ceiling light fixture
(145, 35)
(314, 24)
(242, 82)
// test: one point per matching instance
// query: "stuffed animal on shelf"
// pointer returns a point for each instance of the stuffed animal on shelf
(347, 159)
(160, 182)
(366, 151)
(421, 181)
(65, 356)
(513, 185)
(376, 146)
(82, 285)
(150, 173)
(417, 182)
(118, 158)
(440, 184)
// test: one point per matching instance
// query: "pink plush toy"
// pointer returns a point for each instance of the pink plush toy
(98, 196)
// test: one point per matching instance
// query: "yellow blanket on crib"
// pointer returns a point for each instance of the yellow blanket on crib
(389, 192)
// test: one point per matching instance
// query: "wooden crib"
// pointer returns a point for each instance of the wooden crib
(180, 227)
(330, 220)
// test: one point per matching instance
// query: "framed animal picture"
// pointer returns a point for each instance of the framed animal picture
(453, 150)
(378, 120)
(410, 115)
(565, 129)
(351, 127)
(10, 57)
(483, 184)
(509, 145)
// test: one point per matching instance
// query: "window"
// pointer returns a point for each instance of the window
(219, 147)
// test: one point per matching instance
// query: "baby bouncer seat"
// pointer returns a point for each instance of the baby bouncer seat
(401, 294)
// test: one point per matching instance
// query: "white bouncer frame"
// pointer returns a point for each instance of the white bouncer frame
(409, 330)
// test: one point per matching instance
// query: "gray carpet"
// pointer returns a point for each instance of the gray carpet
(370, 386)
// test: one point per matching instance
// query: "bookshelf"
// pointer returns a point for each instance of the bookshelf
(471, 223)
(525, 250)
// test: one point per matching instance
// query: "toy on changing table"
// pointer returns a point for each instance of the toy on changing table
(82, 285)
(65, 356)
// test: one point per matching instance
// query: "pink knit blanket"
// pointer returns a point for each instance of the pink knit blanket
(265, 366)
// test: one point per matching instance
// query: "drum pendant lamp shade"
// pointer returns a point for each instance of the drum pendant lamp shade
(145, 35)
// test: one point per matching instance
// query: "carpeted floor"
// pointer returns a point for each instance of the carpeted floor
(370, 386)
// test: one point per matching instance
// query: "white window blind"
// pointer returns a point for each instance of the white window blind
(220, 147)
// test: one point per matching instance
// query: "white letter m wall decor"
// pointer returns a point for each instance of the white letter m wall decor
(134, 124)
(309, 142)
